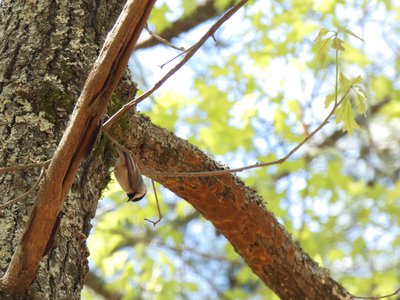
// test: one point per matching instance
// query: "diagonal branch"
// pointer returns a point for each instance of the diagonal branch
(189, 54)
(75, 144)
(235, 210)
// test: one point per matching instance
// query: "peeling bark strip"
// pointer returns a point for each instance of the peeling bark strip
(235, 210)
(90, 107)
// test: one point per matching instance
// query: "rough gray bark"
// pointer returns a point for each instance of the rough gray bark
(46, 51)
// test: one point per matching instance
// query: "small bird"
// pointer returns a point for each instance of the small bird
(128, 176)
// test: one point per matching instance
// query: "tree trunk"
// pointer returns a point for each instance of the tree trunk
(46, 51)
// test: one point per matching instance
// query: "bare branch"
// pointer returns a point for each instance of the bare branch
(158, 207)
(190, 52)
(396, 292)
(202, 13)
(162, 40)
(24, 167)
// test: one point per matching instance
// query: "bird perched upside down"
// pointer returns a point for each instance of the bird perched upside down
(129, 177)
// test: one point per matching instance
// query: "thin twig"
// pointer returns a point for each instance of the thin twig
(257, 165)
(158, 202)
(158, 207)
(23, 167)
(15, 200)
(190, 52)
(175, 57)
(162, 40)
(210, 256)
(397, 292)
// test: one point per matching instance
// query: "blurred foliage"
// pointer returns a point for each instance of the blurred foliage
(267, 82)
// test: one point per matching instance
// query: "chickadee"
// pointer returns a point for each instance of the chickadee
(129, 177)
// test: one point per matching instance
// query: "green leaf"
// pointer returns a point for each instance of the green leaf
(361, 91)
(295, 107)
(344, 83)
(337, 44)
(358, 246)
(322, 32)
(329, 99)
(158, 19)
(356, 80)
(191, 286)
(219, 4)
(356, 56)
(353, 34)
(346, 115)
(188, 7)
(360, 103)
(325, 45)
(335, 254)
(279, 120)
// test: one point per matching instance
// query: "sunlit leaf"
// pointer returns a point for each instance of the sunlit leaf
(360, 103)
(324, 48)
(329, 99)
(356, 80)
(346, 115)
(353, 34)
(344, 83)
(337, 44)
(322, 32)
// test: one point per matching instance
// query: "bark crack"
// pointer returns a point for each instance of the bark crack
(9, 68)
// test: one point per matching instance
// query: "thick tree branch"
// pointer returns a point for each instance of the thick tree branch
(75, 144)
(235, 210)
(202, 13)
